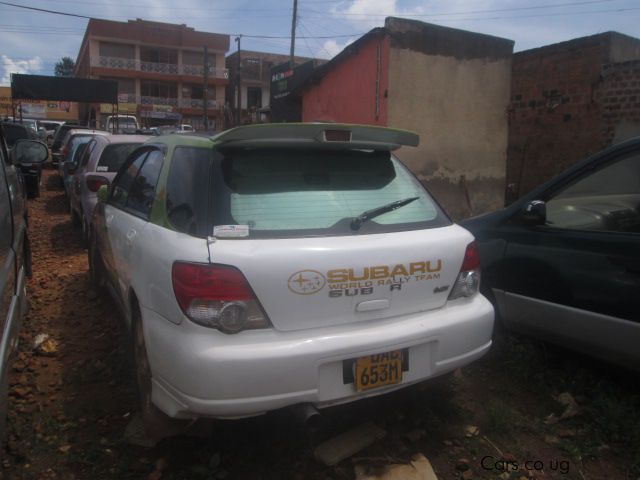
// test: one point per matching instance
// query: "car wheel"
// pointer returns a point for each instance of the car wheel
(96, 267)
(75, 218)
(85, 232)
(157, 425)
(4, 403)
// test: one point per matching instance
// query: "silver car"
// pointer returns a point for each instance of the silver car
(99, 163)
(70, 155)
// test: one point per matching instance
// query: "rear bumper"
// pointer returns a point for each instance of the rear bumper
(201, 372)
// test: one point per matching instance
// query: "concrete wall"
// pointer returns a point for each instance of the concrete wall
(452, 87)
(355, 89)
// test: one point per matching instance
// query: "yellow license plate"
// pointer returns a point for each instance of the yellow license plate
(378, 370)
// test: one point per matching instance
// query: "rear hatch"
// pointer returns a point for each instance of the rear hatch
(308, 229)
(315, 282)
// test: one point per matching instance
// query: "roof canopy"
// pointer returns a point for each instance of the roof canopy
(40, 87)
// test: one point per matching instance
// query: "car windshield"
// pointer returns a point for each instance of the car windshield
(306, 193)
(122, 123)
(114, 156)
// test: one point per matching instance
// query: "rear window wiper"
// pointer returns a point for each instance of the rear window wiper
(357, 222)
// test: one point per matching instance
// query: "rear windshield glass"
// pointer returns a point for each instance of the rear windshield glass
(278, 193)
(114, 156)
(13, 133)
(76, 142)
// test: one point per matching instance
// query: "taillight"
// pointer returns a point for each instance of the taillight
(94, 182)
(217, 296)
(65, 151)
(468, 282)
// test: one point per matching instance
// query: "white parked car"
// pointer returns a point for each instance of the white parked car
(280, 265)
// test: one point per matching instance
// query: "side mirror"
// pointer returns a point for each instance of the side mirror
(534, 213)
(103, 193)
(29, 152)
(69, 168)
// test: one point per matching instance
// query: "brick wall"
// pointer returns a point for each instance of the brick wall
(555, 118)
(619, 95)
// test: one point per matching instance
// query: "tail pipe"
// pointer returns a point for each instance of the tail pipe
(307, 415)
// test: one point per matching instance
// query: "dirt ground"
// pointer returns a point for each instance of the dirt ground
(524, 411)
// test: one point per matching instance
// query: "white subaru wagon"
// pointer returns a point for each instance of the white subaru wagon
(285, 264)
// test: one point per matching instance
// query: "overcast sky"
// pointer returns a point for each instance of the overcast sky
(32, 41)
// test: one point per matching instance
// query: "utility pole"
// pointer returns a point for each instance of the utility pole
(205, 90)
(239, 83)
(294, 20)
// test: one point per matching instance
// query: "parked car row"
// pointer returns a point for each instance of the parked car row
(303, 266)
(15, 250)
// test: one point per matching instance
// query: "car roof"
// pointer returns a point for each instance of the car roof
(114, 139)
(81, 131)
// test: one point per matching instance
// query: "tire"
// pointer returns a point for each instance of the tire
(85, 232)
(96, 267)
(75, 218)
(28, 265)
(157, 425)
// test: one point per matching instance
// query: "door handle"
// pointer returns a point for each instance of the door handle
(130, 235)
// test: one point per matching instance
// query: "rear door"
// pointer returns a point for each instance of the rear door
(285, 218)
(128, 212)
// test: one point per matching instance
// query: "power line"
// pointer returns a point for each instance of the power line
(45, 10)
(303, 26)
(512, 17)
(55, 12)
(155, 5)
(469, 12)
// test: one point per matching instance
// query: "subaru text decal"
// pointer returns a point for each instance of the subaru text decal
(362, 281)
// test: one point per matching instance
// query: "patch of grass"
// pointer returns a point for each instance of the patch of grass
(607, 394)
(501, 418)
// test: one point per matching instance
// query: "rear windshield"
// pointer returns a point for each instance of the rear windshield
(113, 156)
(76, 141)
(60, 134)
(13, 133)
(289, 193)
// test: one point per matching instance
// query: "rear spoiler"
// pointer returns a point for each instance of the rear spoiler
(329, 135)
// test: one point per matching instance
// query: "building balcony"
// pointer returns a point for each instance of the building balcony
(182, 103)
(197, 103)
(145, 100)
(131, 64)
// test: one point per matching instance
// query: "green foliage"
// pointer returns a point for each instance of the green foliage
(65, 67)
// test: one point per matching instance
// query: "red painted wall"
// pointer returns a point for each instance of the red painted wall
(348, 92)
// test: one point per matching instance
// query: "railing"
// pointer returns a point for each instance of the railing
(144, 100)
(153, 67)
(127, 98)
(198, 71)
(197, 103)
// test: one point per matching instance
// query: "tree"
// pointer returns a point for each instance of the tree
(65, 67)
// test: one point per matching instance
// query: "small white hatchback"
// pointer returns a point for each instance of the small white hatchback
(284, 264)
